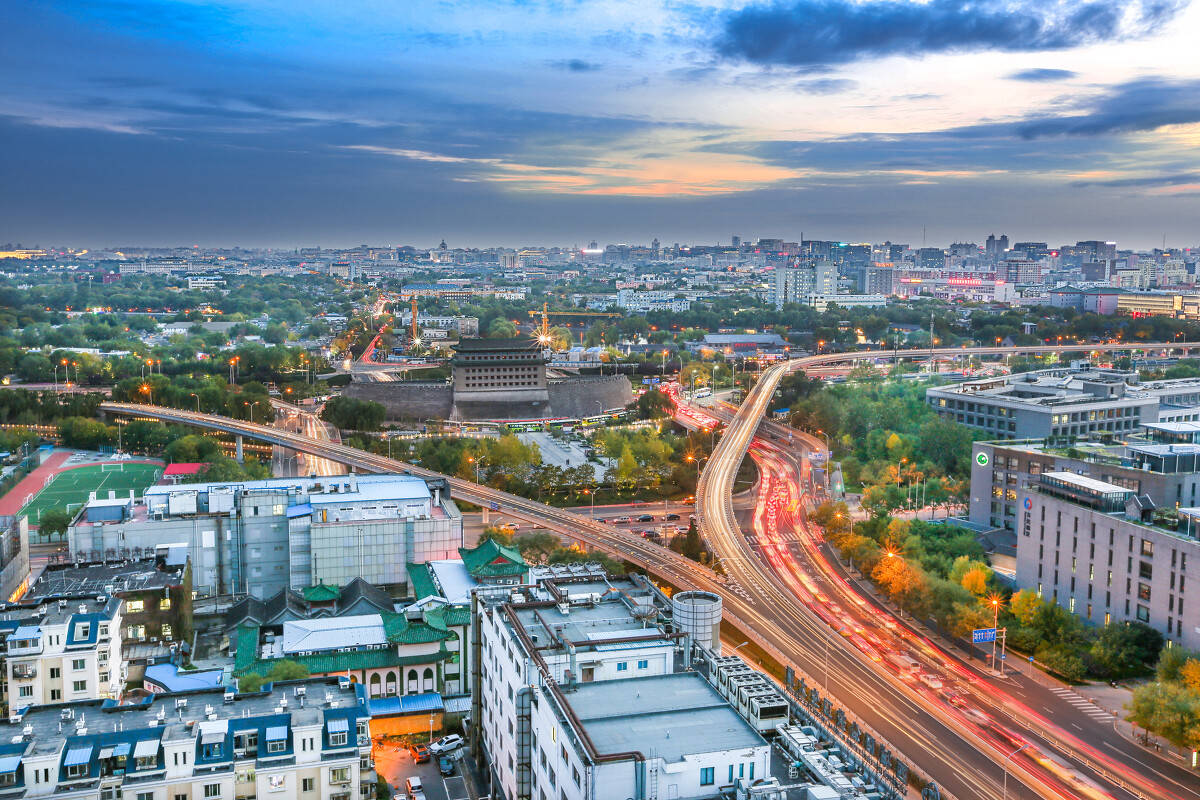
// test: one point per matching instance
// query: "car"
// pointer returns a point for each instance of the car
(621, 520)
(445, 766)
(419, 752)
(645, 518)
(671, 517)
(446, 744)
(414, 787)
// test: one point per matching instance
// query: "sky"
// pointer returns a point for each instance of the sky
(289, 123)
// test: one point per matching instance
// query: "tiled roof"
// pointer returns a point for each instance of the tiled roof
(423, 584)
(330, 663)
(492, 559)
(321, 593)
(401, 630)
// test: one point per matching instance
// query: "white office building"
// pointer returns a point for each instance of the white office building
(257, 537)
(583, 695)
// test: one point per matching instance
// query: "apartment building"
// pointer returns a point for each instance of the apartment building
(308, 740)
(61, 650)
(258, 537)
(582, 694)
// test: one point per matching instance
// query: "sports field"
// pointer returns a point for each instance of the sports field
(69, 489)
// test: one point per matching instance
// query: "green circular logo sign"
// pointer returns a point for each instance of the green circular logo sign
(981, 459)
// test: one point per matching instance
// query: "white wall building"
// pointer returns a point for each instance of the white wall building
(583, 696)
(63, 650)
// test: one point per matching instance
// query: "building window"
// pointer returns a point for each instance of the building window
(79, 686)
(707, 778)
(1147, 548)
(277, 746)
(25, 691)
(339, 775)
(622, 666)
(212, 790)
(145, 796)
(135, 606)
(643, 664)
(164, 604)
(1143, 614)
(55, 673)
(78, 664)
(77, 770)
(306, 785)
(167, 631)
(337, 739)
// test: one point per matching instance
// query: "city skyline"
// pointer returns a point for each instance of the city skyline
(265, 124)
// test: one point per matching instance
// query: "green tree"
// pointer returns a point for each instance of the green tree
(53, 521)
(501, 328)
(1121, 651)
(693, 547)
(1168, 709)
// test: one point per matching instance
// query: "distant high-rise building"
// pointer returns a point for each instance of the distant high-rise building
(737, 242)
(798, 283)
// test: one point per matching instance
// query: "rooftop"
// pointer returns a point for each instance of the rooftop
(332, 633)
(93, 580)
(669, 716)
(495, 345)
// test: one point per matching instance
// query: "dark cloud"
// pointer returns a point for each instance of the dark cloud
(816, 33)
(1149, 182)
(1141, 105)
(1042, 75)
(576, 65)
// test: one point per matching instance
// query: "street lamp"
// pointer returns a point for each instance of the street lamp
(1005, 765)
(664, 362)
(197, 401)
(149, 392)
(251, 407)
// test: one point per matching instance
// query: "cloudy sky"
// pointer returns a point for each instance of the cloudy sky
(337, 122)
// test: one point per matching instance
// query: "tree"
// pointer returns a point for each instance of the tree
(53, 521)
(1124, 650)
(1025, 606)
(1189, 673)
(654, 405)
(502, 536)
(899, 579)
(283, 670)
(1169, 709)
(538, 546)
(693, 547)
(501, 328)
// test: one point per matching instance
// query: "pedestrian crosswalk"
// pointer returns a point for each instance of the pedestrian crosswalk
(1083, 705)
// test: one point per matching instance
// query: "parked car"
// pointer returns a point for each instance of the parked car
(446, 744)
(420, 754)
(671, 517)
(621, 520)
(645, 518)
(414, 788)
(445, 766)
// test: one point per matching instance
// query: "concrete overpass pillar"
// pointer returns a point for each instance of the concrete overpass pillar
(485, 516)
(240, 457)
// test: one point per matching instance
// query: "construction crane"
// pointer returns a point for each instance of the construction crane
(546, 314)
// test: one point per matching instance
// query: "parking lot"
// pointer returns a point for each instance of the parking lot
(394, 763)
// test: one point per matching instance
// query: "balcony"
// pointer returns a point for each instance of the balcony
(24, 672)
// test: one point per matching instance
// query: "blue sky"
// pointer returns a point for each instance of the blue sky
(288, 123)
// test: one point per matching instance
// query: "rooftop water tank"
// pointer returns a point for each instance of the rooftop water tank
(698, 614)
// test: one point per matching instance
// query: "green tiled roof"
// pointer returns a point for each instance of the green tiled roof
(401, 630)
(420, 576)
(445, 617)
(491, 559)
(328, 663)
(247, 647)
(322, 593)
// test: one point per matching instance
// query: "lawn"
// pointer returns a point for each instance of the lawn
(69, 489)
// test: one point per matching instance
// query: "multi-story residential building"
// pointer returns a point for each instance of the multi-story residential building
(308, 739)
(14, 557)
(655, 300)
(1057, 404)
(581, 694)
(156, 619)
(258, 537)
(60, 650)
(463, 326)
(797, 284)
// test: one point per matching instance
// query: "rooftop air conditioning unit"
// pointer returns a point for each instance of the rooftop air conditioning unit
(300, 691)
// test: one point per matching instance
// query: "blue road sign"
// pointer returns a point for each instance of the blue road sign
(983, 635)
